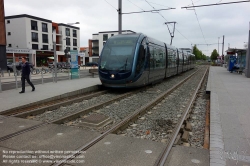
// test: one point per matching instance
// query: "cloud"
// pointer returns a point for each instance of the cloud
(101, 15)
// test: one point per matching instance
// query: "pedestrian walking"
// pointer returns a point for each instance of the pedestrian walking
(26, 75)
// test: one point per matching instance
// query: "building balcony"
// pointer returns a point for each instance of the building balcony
(59, 33)
(95, 47)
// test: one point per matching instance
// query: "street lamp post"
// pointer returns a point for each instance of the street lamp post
(55, 56)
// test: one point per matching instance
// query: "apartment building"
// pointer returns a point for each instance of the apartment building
(3, 64)
(97, 42)
(34, 33)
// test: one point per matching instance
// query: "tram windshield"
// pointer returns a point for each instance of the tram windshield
(118, 53)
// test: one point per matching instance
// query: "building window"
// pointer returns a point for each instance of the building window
(104, 43)
(112, 34)
(10, 45)
(68, 41)
(45, 47)
(74, 42)
(8, 21)
(105, 37)
(34, 37)
(9, 33)
(35, 46)
(45, 38)
(44, 27)
(74, 48)
(67, 30)
(74, 33)
(34, 25)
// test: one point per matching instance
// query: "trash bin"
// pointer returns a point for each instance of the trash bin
(232, 60)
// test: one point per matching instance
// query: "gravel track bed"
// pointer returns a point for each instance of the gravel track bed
(73, 108)
(198, 118)
(158, 123)
(120, 109)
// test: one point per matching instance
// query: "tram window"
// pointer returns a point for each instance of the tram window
(152, 63)
(141, 59)
(159, 59)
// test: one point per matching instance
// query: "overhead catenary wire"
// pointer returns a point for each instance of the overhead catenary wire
(209, 44)
(110, 5)
(199, 23)
(153, 11)
(214, 4)
(170, 24)
(156, 4)
(136, 5)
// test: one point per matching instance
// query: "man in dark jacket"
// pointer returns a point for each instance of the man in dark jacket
(26, 75)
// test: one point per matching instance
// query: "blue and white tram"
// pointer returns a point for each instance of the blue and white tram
(134, 60)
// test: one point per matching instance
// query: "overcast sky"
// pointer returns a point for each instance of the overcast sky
(100, 15)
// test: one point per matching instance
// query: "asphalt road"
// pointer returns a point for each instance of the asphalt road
(35, 79)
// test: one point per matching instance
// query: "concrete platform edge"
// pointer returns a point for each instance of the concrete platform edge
(216, 134)
(63, 95)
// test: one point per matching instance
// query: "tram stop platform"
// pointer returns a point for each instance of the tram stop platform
(229, 118)
(11, 99)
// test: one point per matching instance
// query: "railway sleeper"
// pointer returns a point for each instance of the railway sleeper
(188, 126)
(185, 136)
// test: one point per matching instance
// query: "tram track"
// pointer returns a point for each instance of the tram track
(126, 121)
(163, 157)
(56, 111)
(115, 128)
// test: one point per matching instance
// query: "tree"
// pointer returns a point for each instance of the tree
(214, 55)
(198, 54)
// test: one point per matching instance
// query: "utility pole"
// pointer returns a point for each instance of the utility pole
(247, 70)
(55, 56)
(218, 46)
(171, 34)
(223, 49)
(120, 16)
(223, 45)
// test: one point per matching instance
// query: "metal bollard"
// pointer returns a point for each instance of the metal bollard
(15, 78)
(53, 75)
(42, 75)
(79, 73)
(0, 84)
(9, 72)
(69, 73)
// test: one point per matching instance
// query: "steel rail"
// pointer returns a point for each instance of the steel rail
(56, 105)
(89, 109)
(21, 131)
(163, 157)
(123, 122)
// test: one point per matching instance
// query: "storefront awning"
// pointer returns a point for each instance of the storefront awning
(51, 57)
